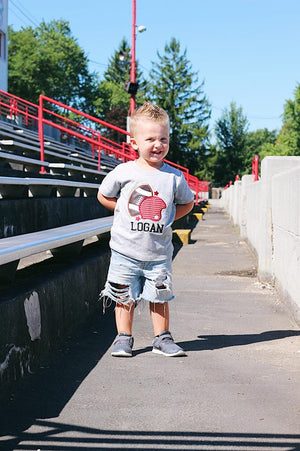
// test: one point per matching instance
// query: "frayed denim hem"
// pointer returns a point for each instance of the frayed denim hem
(111, 294)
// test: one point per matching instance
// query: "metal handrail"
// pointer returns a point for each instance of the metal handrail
(15, 106)
(96, 140)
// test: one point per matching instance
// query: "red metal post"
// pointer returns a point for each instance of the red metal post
(41, 133)
(99, 152)
(255, 164)
(99, 160)
(197, 192)
(13, 108)
(132, 63)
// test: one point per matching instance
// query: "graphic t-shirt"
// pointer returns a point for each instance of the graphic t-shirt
(145, 210)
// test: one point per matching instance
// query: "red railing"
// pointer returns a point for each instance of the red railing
(254, 172)
(255, 167)
(82, 132)
(93, 134)
(13, 107)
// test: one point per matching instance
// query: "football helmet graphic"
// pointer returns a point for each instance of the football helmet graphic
(142, 202)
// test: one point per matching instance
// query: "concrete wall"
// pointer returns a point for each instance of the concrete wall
(49, 300)
(286, 232)
(44, 307)
(268, 214)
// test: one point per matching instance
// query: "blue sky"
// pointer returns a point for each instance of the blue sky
(246, 51)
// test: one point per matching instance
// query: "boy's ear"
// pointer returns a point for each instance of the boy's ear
(133, 143)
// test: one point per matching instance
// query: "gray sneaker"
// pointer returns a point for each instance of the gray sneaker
(122, 345)
(164, 344)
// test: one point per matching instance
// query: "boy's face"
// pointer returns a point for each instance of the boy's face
(151, 140)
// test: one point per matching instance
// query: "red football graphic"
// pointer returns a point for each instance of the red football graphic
(136, 197)
(151, 207)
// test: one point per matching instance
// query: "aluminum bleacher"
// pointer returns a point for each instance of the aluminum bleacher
(45, 155)
(65, 240)
(24, 148)
(69, 171)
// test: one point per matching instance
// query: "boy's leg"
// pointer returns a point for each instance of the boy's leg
(124, 317)
(163, 342)
(160, 317)
(123, 343)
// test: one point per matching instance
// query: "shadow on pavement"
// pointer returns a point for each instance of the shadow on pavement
(211, 342)
(45, 393)
(64, 437)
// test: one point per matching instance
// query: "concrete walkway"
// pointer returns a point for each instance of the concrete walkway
(238, 388)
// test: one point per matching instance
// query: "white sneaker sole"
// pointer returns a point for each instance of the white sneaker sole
(176, 354)
(121, 354)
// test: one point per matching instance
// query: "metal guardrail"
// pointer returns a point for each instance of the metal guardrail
(96, 135)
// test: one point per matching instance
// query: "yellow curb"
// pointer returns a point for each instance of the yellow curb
(198, 216)
(204, 209)
(183, 235)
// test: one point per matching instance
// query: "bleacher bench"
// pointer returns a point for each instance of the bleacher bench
(67, 239)
(16, 187)
(19, 159)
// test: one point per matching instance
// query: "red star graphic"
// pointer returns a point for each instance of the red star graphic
(156, 193)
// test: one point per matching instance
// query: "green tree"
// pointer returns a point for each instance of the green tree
(257, 142)
(118, 70)
(288, 140)
(175, 87)
(232, 153)
(289, 137)
(113, 104)
(48, 60)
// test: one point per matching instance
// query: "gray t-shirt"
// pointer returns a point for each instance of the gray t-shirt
(145, 210)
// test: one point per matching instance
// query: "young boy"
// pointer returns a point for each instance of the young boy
(146, 195)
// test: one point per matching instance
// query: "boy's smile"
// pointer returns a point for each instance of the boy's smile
(151, 140)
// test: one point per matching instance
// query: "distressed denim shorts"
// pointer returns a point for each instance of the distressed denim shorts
(140, 280)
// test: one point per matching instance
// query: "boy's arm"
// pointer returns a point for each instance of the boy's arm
(183, 209)
(108, 202)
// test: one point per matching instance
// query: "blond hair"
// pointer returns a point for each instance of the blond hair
(147, 111)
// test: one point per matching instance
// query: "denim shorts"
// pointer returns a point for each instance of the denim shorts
(140, 280)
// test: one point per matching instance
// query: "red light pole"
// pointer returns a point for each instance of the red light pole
(131, 87)
(132, 62)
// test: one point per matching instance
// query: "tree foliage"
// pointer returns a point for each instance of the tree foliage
(287, 142)
(48, 60)
(174, 87)
(231, 133)
(118, 70)
(289, 137)
(113, 104)
(257, 142)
